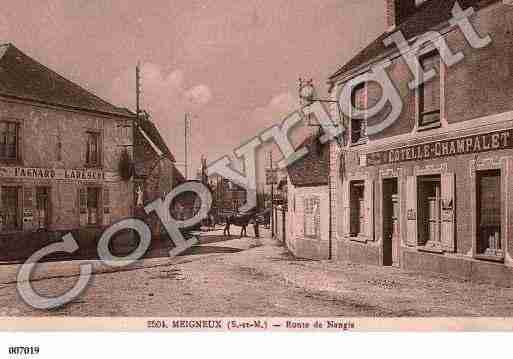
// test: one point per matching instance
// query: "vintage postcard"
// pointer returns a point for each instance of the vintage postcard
(280, 166)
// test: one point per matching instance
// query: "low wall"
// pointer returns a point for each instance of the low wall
(462, 268)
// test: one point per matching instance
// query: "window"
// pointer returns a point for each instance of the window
(429, 91)
(10, 208)
(312, 217)
(8, 140)
(357, 208)
(93, 150)
(359, 125)
(430, 210)
(489, 213)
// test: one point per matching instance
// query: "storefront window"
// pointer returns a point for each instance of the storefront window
(10, 209)
(8, 140)
(357, 208)
(489, 213)
(430, 209)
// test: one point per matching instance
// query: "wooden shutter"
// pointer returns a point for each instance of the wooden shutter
(345, 229)
(369, 209)
(82, 206)
(2, 209)
(106, 206)
(411, 211)
(448, 212)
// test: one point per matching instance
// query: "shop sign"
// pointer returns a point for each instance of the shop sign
(498, 140)
(56, 174)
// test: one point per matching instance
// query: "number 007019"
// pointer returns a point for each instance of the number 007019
(24, 350)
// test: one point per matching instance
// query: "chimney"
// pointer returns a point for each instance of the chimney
(398, 10)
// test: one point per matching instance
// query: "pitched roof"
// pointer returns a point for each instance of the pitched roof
(428, 15)
(152, 135)
(23, 77)
(313, 168)
(178, 176)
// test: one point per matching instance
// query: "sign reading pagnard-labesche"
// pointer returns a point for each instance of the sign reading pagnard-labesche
(55, 174)
(498, 140)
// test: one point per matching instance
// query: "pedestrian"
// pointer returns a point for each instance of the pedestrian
(255, 228)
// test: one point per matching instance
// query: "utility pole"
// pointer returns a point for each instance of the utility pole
(272, 193)
(186, 126)
(137, 90)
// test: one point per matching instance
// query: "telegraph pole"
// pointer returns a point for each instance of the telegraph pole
(186, 146)
(272, 193)
(137, 90)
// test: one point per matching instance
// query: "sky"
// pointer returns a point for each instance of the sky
(234, 65)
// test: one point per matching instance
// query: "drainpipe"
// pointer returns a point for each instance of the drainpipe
(330, 221)
(330, 232)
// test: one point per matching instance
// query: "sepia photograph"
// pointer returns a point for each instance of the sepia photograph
(280, 166)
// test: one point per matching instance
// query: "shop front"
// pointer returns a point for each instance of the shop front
(434, 205)
(49, 199)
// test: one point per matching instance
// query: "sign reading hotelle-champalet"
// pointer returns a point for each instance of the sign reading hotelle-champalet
(498, 140)
(58, 174)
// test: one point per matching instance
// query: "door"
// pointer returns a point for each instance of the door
(391, 241)
(93, 200)
(42, 207)
(10, 211)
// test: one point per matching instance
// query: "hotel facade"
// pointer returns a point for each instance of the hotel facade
(60, 152)
(434, 190)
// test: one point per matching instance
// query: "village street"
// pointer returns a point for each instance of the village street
(254, 277)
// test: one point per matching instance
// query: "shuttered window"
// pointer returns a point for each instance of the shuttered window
(360, 210)
(430, 216)
(429, 91)
(358, 125)
(93, 149)
(9, 138)
(357, 208)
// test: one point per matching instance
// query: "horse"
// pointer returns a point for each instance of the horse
(242, 220)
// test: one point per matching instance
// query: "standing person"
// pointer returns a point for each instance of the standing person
(255, 227)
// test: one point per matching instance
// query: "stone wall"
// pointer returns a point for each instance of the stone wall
(302, 239)
(55, 138)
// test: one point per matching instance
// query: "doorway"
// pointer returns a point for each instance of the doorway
(93, 200)
(42, 207)
(391, 230)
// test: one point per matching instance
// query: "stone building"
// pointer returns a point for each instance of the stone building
(60, 151)
(433, 191)
(155, 174)
(227, 196)
(307, 219)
